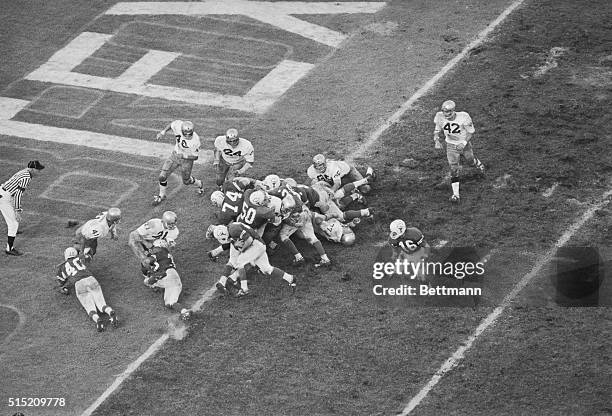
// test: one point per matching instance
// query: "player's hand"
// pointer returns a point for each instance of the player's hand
(437, 144)
(211, 256)
(64, 290)
(460, 147)
(160, 135)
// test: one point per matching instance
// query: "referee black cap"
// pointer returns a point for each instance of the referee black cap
(35, 164)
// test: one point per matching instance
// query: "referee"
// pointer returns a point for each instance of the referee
(10, 201)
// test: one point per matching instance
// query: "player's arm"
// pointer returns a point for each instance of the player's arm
(436, 134)
(62, 280)
(468, 125)
(337, 182)
(135, 241)
(163, 132)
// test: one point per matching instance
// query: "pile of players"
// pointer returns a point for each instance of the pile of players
(256, 217)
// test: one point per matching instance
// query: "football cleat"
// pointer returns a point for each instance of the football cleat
(13, 252)
(370, 174)
(298, 261)
(454, 199)
(100, 327)
(242, 293)
(221, 288)
(323, 263)
(158, 199)
(113, 319)
(293, 284)
(185, 314)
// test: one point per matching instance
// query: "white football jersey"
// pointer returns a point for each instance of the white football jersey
(154, 229)
(232, 155)
(96, 228)
(455, 130)
(336, 169)
(186, 148)
(331, 229)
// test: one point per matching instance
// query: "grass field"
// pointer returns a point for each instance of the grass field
(333, 347)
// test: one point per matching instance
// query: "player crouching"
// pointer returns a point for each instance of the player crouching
(86, 287)
(247, 248)
(161, 273)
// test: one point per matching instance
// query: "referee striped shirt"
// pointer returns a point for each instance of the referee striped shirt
(16, 185)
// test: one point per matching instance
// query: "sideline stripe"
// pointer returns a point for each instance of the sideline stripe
(360, 151)
(395, 117)
(454, 359)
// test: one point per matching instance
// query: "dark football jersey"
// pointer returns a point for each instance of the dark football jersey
(253, 215)
(74, 269)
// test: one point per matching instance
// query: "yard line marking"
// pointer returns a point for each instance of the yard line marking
(459, 354)
(395, 117)
(92, 139)
(126, 374)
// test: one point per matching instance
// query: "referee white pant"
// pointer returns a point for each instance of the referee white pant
(8, 212)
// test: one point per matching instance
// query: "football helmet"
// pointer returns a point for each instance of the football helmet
(231, 137)
(113, 216)
(291, 182)
(70, 252)
(320, 163)
(169, 219)
(187, 129)
(221, 234)
(259, 198)
(217, 198)
(160, 242)
(348, 237)
(271, 182)
(448, 109)
(397, 227)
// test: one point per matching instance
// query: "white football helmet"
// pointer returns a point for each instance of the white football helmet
(259, 198)
(231, 137)
(448, 109)
(287, 205)
(113, 216)
(217, 198)
(169, 219)
(397, 227)
(348, 237)
(70, 252)
(221, 234)
(271, 182)
(291, 182)
(187, 129)
(320, 163)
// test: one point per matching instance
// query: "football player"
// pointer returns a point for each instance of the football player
(458, 131)
(104, 224)
(333, 230)
(161, 273)
(332, 203)
(186, 151)
(337, 172)
(73, 272)
(247, 248)
(255, 210)
(233, 156)
(409, 244)
(141, 239)
(298, 220)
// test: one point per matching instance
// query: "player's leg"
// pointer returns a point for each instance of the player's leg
(231, 172)
(98, 297)
(453, 155)
(168, 167)
(307, 231)
(468, 153)
(228, 273)
(355, 176)
(284, 235)
(186, 169)
(266, 268)
(172, 286)
(12, 225)
(83, 294)
(222, 169)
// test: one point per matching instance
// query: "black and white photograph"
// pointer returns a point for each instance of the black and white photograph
(300, 208)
